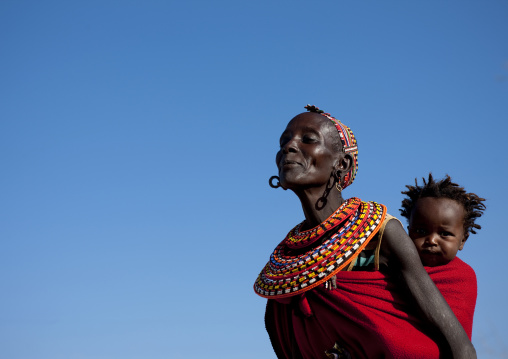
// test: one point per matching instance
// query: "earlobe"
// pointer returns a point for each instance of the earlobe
(342, 166)
(462, 244)
(345, 162)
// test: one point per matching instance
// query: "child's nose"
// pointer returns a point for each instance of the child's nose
(431, 239)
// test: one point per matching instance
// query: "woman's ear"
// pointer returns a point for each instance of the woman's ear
(345, 163)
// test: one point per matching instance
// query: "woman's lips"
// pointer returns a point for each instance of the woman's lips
(289, 163)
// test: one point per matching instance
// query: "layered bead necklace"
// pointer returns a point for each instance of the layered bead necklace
(289, 273)
(296, 239)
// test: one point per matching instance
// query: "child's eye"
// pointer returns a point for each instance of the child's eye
(420, 231)
(446, 234)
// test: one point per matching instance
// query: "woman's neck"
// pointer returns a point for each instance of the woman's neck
(317, 208)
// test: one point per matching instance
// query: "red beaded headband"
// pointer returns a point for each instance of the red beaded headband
(348, 143)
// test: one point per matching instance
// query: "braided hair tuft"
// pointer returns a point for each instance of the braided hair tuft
(445, 188)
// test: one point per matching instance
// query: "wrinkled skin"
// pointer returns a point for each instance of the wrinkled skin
(307, 154)
(310, 161)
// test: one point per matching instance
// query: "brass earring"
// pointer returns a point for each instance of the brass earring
(338, 181)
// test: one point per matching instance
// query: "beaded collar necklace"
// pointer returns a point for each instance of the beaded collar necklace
(288, 273)
(296, 239)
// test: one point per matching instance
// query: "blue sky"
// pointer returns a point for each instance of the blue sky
(137, 139)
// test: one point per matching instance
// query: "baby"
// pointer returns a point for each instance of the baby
(441, 215)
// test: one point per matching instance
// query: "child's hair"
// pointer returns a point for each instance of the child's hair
(445, 188)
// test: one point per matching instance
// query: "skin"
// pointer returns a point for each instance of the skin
(309, 164)
(436, 227)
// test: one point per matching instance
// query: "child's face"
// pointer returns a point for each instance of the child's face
(436, 227)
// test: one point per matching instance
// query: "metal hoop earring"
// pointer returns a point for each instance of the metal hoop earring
(338, 181)
(277, 185)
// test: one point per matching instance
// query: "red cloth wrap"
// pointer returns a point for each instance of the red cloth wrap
(369, 314)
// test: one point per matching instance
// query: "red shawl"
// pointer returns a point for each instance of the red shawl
(369, 314)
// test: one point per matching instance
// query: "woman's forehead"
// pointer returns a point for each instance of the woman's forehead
(310, 120)
(313, 122)
(309, 116)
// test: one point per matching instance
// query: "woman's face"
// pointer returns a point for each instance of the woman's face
(308, 152)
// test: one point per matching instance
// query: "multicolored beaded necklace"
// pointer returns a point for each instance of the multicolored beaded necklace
(287, 273)
(296, 239)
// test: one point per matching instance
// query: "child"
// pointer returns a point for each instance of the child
(440, 215)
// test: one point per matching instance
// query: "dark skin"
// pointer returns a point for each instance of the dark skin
(436, 227)
(310, 162)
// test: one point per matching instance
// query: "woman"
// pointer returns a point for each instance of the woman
(315, 305)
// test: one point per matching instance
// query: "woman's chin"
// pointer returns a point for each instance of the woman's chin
(287, 182)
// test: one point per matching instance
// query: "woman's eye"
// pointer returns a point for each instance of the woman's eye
(309, 139)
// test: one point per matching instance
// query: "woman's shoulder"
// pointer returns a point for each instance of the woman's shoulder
(389, 217)
(390, 227)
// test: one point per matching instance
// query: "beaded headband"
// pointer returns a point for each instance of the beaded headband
(348, 143)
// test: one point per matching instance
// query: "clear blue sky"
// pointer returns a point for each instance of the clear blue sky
(137, 139)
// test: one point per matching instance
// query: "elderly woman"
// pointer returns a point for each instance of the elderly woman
(347, 282)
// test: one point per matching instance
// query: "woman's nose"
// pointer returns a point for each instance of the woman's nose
(290, 146)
